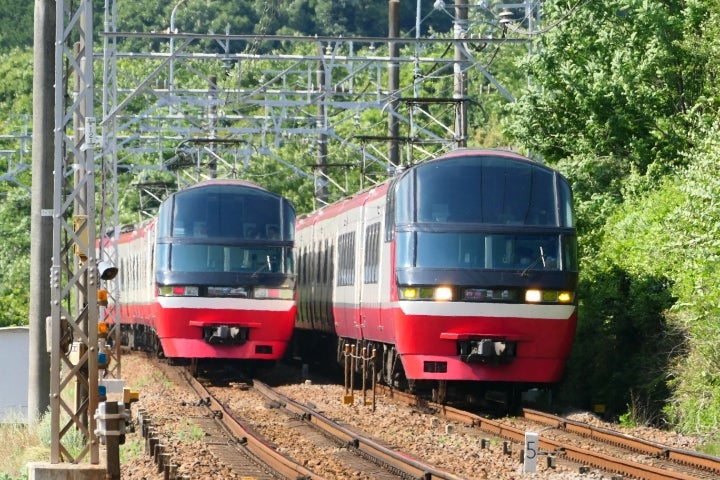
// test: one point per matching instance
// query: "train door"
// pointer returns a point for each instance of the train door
(369, 278)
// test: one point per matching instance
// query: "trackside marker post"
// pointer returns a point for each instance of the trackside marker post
(531, 452)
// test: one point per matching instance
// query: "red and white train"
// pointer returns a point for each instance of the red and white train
(460, 269)
(212, 276)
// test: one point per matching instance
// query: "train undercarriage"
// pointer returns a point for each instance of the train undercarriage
(383, 361)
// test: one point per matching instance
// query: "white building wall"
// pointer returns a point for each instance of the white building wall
(14, 371)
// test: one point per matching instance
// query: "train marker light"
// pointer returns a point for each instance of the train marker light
(565, 297)
(408, 293)
(550, 296)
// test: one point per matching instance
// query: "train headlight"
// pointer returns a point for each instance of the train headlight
(443, 294)
(533, 296)
(177, 291)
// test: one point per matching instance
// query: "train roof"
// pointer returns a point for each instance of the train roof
(224, 181)
(473, 152)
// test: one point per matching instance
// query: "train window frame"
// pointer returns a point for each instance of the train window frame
(372, 253)
(346, 259)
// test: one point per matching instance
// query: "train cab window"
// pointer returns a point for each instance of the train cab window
(567, 215)
(288, 221)
(570, 254)
(231, 258)
(460, 250)
(220, 213)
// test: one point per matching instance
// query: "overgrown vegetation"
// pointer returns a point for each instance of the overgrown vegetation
(623, 99)
(626, 105)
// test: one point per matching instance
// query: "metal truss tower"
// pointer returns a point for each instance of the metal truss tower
(74, 274)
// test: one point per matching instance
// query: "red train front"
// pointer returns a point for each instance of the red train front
(212, 276)
(462, 268)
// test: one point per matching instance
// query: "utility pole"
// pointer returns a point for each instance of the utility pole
(41, 209)
(321, 191)
(393, 81)
(460, 74)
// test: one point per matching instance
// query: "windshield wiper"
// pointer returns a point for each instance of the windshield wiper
(541, 258)
(267, 265)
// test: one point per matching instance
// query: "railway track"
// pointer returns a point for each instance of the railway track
(456, 443)
(227, 434)
(391, 459)
(236, 445)
(601, 448)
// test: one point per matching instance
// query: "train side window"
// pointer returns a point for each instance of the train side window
(318, 263)
(372, 246)
(390, 215)
(346, 258)
(327, 274)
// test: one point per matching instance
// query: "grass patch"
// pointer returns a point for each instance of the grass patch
(156, 378)
(20, 444)
(708, 449)
(134, 447)
(190, 433)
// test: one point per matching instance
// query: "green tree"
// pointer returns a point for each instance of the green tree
(14, 256)
(16, 87)
(16, 28)
(612, 80)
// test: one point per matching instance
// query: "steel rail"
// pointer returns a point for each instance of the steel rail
(395, 460)
(580, 455)
(677, 455)
(255, 445)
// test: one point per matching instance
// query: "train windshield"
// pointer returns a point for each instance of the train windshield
(485, 190)
(228, 212)
(485, 212)
(226, 228)
(486, 251)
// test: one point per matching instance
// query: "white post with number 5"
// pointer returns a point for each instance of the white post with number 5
(532, 448)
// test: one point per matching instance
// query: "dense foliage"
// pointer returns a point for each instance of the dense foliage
(622, 97)
(625, 101)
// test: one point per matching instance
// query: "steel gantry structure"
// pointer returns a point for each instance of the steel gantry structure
(207, 105)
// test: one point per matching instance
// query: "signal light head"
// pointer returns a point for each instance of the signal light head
(102, 297)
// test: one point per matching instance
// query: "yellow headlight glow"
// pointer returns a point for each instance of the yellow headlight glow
(408, 293)
(443, 294)
(565, 297)
(533, 296)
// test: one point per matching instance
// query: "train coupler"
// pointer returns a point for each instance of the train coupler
(487, 351)
(225, 335)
